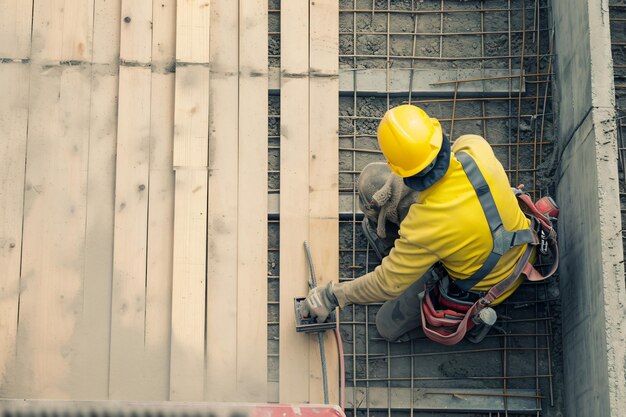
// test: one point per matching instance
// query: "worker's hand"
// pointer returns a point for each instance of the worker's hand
(320, 303)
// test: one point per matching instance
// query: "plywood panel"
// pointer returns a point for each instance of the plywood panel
(190, 158)
(324, 176)
(14, 80)
(221, 317)
(252, 190)
(294, 196)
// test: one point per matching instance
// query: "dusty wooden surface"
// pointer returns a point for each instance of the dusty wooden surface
(133, 173)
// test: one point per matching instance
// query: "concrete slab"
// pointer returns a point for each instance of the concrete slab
(592, 271)
(442, 399)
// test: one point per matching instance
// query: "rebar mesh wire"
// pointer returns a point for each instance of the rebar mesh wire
(507, 38)
(618, 47)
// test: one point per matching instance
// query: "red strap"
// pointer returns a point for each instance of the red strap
(444, 336)
(545, 221)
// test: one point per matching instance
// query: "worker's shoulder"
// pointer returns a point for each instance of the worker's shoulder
(469, 141)
(475, 145)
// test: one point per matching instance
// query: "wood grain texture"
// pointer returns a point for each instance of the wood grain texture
(294, 196)
(252, 190)
(126, 380)
(136, 31)
(188, 309)
(324, 176)
(14, 82)
(62, 30)
(160, 201)
(129, 372)
(221, 315)
(190, 159)
(91, 341)
(51, 285)
(191, 144)
(192, 31)
(15, 28)
(54, 230)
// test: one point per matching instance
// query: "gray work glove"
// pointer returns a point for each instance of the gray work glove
(320, 303)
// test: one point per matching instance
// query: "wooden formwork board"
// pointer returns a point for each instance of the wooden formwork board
(51, 282)
(127, 355)
(294, 197)
(221, 317)
(324, 175)
(160, 226)
(14, 82)
(15, 28)
(190, 159)
(15, 33)
(131, 229)
(309, 186)
(93, 329)
(252, 243)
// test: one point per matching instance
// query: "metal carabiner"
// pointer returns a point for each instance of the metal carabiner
(543, 246)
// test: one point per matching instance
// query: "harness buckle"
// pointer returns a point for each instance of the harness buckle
(543, 247)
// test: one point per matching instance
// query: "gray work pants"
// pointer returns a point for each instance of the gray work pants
(400, 319)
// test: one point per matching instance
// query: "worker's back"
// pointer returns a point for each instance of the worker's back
(449, 221)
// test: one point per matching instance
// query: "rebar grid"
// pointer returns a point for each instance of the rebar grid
(439, 35)
(618, 44)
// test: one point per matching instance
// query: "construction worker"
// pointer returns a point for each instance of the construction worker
(442, 222)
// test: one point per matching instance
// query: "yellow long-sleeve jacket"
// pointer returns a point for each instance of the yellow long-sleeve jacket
(447, 225)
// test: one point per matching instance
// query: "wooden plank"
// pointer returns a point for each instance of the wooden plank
(324, 176)
(192, 31)
(252, 229)
(14, 80)
(221, 312)
(160, 201)
(190, 158)
(91, 341)
(294, 196)
(128, 378)
(136, 32)
(188, 309)
(15, 27)
(54, 230)
(51, 287)
(192, 47)
(191, 145)
(62, 30)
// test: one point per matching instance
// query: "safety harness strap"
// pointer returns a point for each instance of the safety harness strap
(503, 240)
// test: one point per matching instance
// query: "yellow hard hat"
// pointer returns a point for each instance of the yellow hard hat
(409, 139)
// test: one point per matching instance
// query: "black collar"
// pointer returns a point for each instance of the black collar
(420, 183)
